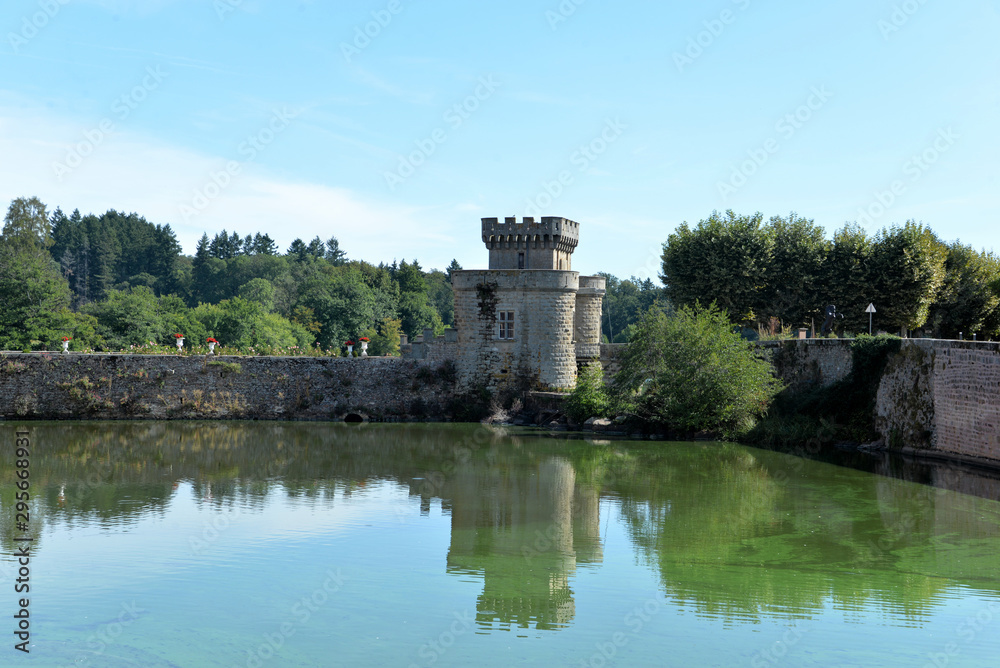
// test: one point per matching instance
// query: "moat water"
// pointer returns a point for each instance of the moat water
(304, 544)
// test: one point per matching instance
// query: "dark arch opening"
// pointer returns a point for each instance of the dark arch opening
(353, 418)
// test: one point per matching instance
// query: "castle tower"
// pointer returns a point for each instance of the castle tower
(530, 245)
(587, 320)
(528, 317)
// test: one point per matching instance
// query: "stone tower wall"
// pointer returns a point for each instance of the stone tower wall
(588, 317)
(543, 349)
(552, 349)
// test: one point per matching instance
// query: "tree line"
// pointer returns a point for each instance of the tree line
(116, 281)
(784, 270)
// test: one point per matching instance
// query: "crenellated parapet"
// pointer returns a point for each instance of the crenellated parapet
(530, 244)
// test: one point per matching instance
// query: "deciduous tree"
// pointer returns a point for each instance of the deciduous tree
(690, 371)
(724, 259)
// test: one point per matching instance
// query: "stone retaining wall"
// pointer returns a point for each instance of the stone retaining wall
(808, 363)
(937, 398)
(943, 398)
(73, 386)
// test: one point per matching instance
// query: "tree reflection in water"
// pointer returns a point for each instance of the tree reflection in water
(733, 532)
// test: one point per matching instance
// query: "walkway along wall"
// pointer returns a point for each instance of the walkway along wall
(73, 386)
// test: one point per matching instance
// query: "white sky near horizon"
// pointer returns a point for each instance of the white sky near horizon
(628, 117)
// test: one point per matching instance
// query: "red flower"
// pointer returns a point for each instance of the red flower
(178, 336)
(211, 340)
(348, 343)
(66, 338)
(364, 338)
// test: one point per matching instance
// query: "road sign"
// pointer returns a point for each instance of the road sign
(869, 311)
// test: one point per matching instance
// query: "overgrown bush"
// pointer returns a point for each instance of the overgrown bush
(691, 371)
(589, 398)
(842, 411)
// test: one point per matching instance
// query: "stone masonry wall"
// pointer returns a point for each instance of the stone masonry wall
(808, 363)
(943, 397)
(610, 353)
(938, 397)
(552, 347)
(587, 320)
(543, 303)
(432, 348)
(74, 386)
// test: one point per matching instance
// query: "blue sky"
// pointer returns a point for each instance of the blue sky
(397, 124)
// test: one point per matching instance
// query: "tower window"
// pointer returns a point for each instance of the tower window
(520, 260)
(506, 322)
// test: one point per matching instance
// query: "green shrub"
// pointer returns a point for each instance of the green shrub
(227, 367)
(691, 371)
(842, 411)
(589, 398)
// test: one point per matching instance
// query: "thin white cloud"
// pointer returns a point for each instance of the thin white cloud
(138, 7)
(171, 59)
(130, 172)
(376, 82)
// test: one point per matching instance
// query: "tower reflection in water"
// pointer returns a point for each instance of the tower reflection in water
(524, 531)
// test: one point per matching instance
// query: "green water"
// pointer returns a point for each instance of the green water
(263, 544)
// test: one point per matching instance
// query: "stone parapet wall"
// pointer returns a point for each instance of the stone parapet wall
(543, 244)
(431, 348)
(75, 386)
(803, 364)
(610, 353)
